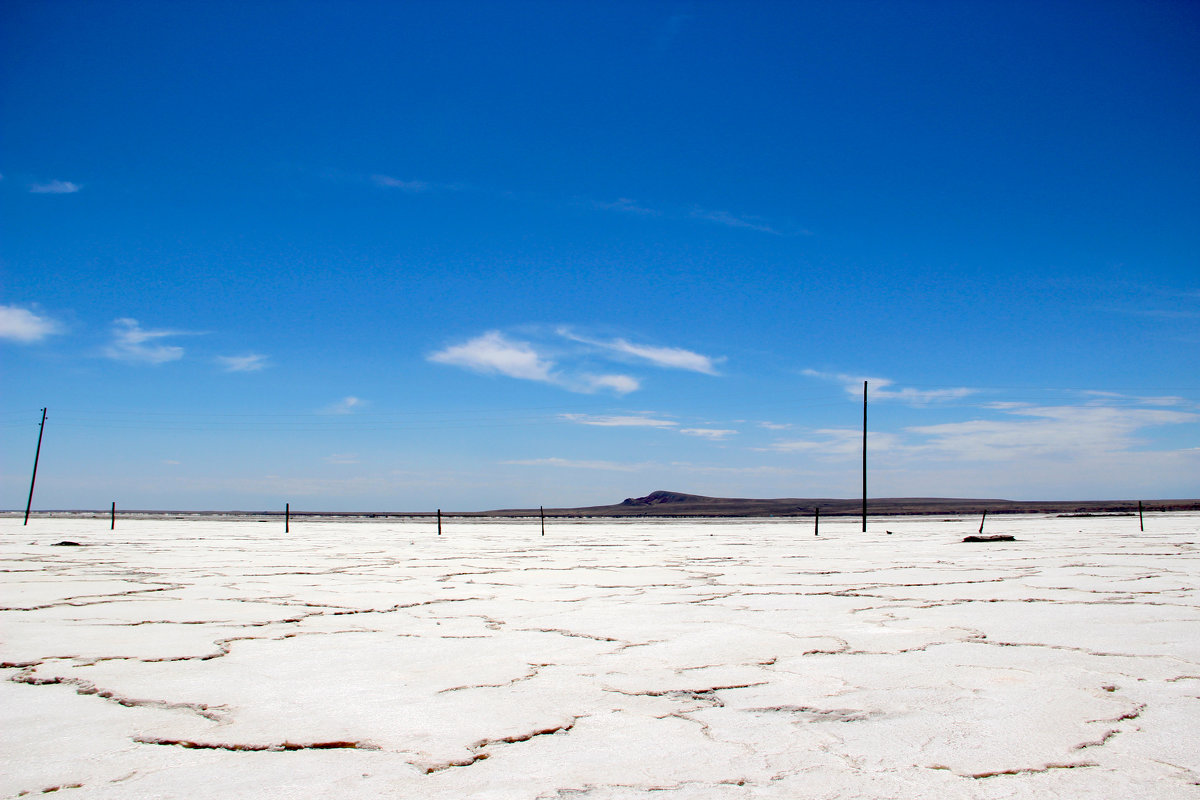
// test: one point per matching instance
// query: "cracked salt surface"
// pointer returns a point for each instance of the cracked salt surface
(683, 659)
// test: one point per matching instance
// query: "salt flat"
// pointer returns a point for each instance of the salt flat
(683, 659)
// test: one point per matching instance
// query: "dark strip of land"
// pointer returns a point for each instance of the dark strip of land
(677, 504)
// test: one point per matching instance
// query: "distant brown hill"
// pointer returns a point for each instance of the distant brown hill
(679, 504)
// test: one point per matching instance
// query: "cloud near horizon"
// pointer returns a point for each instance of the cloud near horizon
(1022, 434)
(619, 421)
(23, 325)
(878, 388)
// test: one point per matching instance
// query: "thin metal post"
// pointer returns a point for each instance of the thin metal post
(817, 522)
(439, 522)
(113, 526)
(864, 503)
(36, 456)
(542, 512)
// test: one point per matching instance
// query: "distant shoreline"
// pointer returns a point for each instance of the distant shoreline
(673, 505)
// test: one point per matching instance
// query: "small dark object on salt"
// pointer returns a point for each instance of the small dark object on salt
(889, 533)
(999, 537)
(66, 544)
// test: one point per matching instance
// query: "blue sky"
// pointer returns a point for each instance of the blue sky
(401, 256)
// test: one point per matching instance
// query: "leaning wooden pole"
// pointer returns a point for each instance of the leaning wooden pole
(1141, 522)
(864, 503)
(36, 456)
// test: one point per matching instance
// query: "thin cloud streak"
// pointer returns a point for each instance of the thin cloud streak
(667, 357)
(878, 388)
(413, 187)
(715, 434)
(251, 362)
(619, 421)
(132, 343)
(55, 187)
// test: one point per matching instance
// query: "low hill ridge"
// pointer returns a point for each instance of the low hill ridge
(663, 503)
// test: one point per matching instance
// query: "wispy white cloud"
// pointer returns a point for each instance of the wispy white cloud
(1044, 432)
(347, 405)
(134, 344)
(25, 326)
(493, 353)
(414, 187)
(620, 421)
(775, 426)
(251, 362)
(342, 458)
(628, 206)
(838, 443)
(734, 221)
(708, 433)
(621, 384)
(55, 187)
(1156, 400)
(879, 388)
(1024, 436)
(668, 357)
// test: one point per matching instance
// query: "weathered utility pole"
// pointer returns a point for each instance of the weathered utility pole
(36, 456)
(864, 503)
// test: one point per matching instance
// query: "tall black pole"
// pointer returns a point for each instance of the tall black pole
(864, 513)
(36, 455)
(542, 513)
(1141, 522)
(113, 526)
(287, 517)
(439, 522)
(817, 521)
